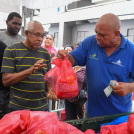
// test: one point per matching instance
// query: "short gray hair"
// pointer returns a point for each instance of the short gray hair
(31, 24)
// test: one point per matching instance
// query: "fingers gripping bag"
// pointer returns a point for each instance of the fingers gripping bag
(67, 86)
(63, 79)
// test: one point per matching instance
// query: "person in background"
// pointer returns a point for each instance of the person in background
(69, 48)
(108, 55)
(11, 36)
(82, 98)
(73, 108)
(76, 45)
(23, 68)
(3, 90)
(48, 42)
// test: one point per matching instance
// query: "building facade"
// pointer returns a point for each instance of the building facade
(73, 23)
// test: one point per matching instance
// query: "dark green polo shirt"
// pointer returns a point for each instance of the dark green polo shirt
(30, 93)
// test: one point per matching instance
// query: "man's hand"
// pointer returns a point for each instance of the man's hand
(50, 93)
(123, 88)
(62, 53)
(52, 96)
(10, 79)
(37, 66)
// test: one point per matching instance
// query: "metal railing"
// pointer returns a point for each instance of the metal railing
(58, 107)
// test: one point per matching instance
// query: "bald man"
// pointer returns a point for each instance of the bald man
(107, 56)
(23, 68)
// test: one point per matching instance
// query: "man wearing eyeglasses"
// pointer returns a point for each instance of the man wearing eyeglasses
(24, 66)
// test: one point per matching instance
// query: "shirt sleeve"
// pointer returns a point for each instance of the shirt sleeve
(8, 65)
(81, 52)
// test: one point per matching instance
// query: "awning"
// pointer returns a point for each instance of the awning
(14, 5)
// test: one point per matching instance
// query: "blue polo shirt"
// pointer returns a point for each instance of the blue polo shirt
(100, 70)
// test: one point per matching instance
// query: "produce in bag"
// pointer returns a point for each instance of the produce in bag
(108, 129)
(42, 123)
(131, 123)
(115, 129)
(122, 128)
(15, 122)
(89, 131)
(29, 122)
(65, 128)
(63, 79)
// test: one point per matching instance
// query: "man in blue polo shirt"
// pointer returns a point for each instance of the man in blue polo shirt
(107, 56)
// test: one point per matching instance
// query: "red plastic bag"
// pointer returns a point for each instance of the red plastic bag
(51, 77)
(63, 79)
(122, 128)
(131, 123)
(115, 129)
(63, 115)
(65, 128)
(89, 131)
(29, 122)
(108, 129)
(42, 123)
(15, 122)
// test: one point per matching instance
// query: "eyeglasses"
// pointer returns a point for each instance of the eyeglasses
(37, 35)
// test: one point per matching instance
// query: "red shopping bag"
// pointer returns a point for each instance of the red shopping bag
(15, 122)
(131, 123)
(115, 129)
(65, 128)
(63, 79)
(29, 122)
(42, 123)
(63, 115)
(89, 131)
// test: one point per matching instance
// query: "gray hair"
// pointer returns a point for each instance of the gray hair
(30, 24)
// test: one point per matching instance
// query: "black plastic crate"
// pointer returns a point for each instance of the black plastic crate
(94, 122)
